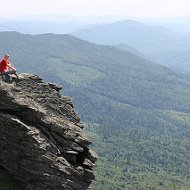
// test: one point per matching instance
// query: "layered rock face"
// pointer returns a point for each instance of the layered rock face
(42, 143)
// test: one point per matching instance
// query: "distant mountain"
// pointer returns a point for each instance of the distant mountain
(181, 28)
(187, 35)
(92, 19)
(174, 20)
(177, 60)
(152, 40)
(180, 24)
(40, 27)
(133, 33)
(125, 47)
(137, 111)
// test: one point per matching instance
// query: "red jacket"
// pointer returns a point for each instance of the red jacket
(3, 65)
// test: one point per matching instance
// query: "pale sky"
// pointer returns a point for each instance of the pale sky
(135, 8)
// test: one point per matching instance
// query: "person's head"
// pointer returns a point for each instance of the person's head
(7, 56)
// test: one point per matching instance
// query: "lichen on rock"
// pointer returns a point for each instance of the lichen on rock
(42, 142)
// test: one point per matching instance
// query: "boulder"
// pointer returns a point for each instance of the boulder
(42, 143)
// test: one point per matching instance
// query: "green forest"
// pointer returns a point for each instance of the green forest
(136, 112)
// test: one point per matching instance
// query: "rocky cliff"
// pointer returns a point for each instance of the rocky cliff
(42, 143)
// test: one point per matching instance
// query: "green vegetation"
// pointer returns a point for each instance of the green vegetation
(73, 74)
(143, 164)
(138, 112)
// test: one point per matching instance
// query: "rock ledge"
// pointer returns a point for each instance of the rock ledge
(42, 143)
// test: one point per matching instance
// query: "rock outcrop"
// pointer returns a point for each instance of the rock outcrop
(42, 143)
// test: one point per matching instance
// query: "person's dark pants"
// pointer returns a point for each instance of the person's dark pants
(5, 75)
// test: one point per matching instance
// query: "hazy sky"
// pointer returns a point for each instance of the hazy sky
(136, 8)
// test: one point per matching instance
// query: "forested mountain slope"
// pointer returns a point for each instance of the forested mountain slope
(139, 112)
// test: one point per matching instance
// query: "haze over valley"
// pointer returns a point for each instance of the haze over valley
(163, 41)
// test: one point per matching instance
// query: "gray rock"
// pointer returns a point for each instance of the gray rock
(92, 155)
(55, 86)
(42, 143)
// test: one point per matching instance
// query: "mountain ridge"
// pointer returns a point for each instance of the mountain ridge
(125, 135)
(155, 42)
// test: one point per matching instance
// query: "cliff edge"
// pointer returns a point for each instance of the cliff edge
(42, 143)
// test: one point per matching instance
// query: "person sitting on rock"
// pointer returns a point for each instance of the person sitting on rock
(6, 68)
